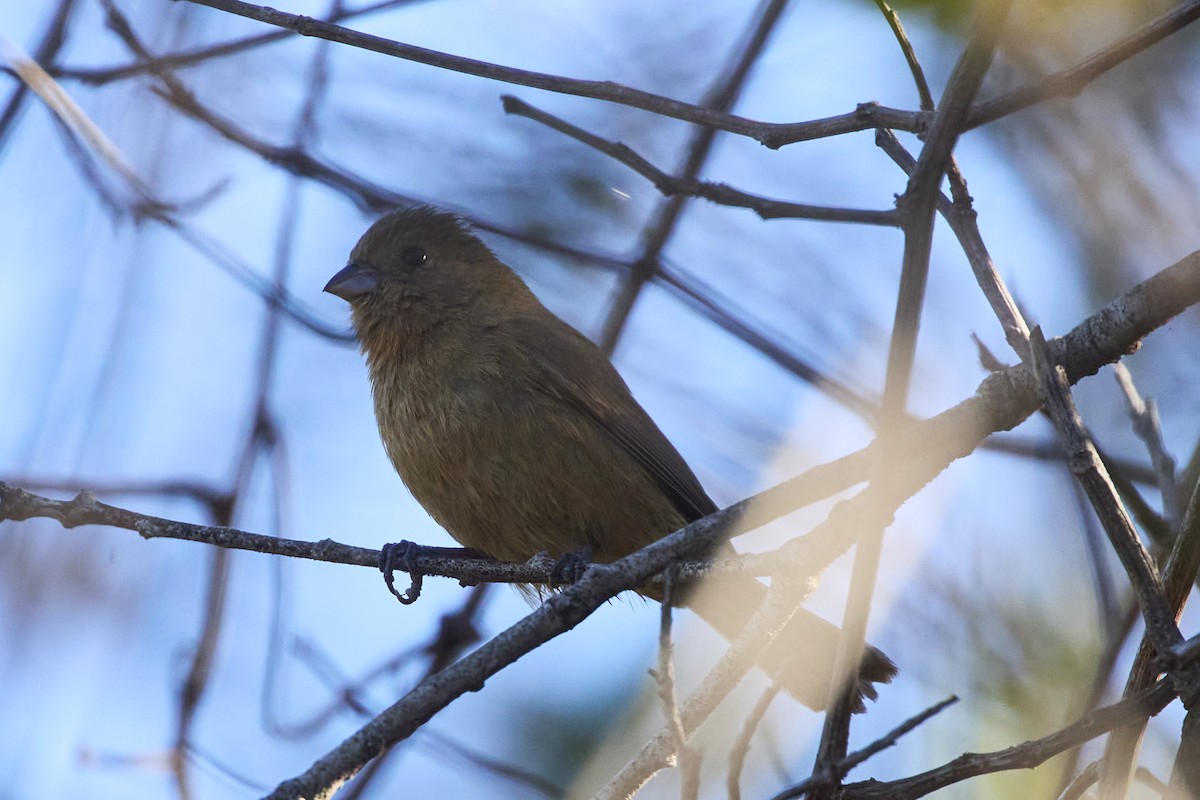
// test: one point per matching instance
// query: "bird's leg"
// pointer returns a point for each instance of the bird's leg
(403, 556)
(571, 565)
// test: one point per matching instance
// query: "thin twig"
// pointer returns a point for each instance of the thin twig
(783, 599)
(1022, 756)
(195, 683)
(489, 763)
(47, 50)
(664, 679)
(741, 745)
(962, 222)
(917, 207)
(661, 224)
(101, 76)
(1179, 575)
(1070, 82)
(703, 299)
(891, 737)
(861, 756)
(1086, 778)
(1147, 426)
(865, 117)
(1089, 470)
(720, 193)
(910, 55)
(149, 206)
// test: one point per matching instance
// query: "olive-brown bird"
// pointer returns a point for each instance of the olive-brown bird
(518, 436)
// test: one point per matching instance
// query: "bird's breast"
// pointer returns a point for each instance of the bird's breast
(508, 469)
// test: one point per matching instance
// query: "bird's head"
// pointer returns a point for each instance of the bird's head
(417, 268)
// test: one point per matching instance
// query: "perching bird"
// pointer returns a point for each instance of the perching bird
(518, 436)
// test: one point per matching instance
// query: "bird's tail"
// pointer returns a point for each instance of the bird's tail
(801, 658)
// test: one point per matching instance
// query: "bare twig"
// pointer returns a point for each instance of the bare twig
(493, 765)
(199, 671)
(664, 679)
(1089, 470)
(701, 298)
(1023, 756)
(891, 737)
(1185, 773)
(70, 114)
(101, 76)
(865, 117)
(783, 598)
(204, 493)
(148, 206)
(721, 193)
(1086, 778)
(917, 206)
(1161, 630)
(741, 745)
(1146, 425)
(662, 222)
(910, 55)
(962, 222)
(1180, 574)
(1070, 82)
(52, 41)
(1183, 563)
(860, 756)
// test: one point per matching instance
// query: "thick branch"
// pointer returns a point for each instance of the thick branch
(1002, 401)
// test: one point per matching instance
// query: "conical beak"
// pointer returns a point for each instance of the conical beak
(353, 281)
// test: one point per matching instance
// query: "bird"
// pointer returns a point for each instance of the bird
(518, 436)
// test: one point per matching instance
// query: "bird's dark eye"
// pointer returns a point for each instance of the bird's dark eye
(413, 256)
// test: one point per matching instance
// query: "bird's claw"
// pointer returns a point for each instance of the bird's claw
(402, 555)
(570, 567)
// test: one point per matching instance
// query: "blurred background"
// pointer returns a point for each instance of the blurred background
(165, 341)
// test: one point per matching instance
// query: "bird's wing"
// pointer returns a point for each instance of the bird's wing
(572, 370)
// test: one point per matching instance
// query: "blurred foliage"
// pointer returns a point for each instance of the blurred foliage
(1110, 166)
(1022, 657)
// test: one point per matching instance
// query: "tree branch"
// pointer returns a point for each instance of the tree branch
(1070, 82)
(1022, 756)
(773, 135)
(720, 193)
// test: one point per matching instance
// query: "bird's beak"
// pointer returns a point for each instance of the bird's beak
(353, 281)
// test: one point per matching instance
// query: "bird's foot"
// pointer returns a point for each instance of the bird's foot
(402, 555)
(570, 566)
